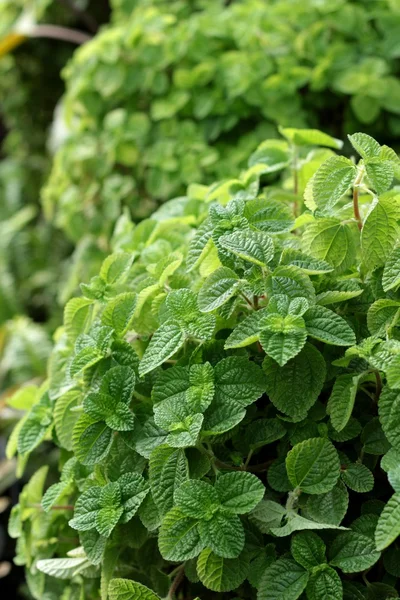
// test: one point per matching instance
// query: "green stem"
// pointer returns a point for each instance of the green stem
(356, 208)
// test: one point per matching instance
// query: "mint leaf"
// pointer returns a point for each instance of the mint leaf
(308, 550)
(166, 341)
(295, 387)
(223, 534)
(313, 466)
(221, 574)
(179, 538)
(283, 579)
(238, 492)
(353, 552)
(326, 326)
(217, 289)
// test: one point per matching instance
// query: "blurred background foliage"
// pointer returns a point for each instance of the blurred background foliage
(167, 92)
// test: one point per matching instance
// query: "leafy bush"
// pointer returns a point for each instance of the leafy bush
(225, 393)
(178, 92)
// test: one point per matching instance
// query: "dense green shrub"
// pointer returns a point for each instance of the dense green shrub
(178, 92)
(240, 342)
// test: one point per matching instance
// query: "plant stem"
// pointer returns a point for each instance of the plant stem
(55, 507)
(356, 208)
(176, 582)
(60, 33)
(378, 385)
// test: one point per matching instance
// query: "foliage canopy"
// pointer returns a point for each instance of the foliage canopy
(225, 393)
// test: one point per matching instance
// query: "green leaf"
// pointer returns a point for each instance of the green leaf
(365, 145)
(254, 246)
(65, 418)
(313, 466)
(308, 264)
(125, 589)
(326, 326)
(324, 584)
(119, 313)
(221, 285)
(310, 137)
(332, 180)
(166, 341)
(292, 282)
(269, 215)
(238, 380)
(168, 469)
(197, 499)
(332, 241)
(353, 552)
(52, 494)
(221, 574)
(391, 272)
(76, 312)
(263, 432)
(358, 477)
(107, 518)
(389, 415)
(179, 538)
(379, 233)
(341, 401)
(284, 579)
(274, 154)
(239, 492)
(91, 440)
(62, 568)
(115, 267)
(308, 550)
(330, 507)
(223, 534)
(382, 315)
(86, 509)
(295, 387)
(267, 514)
(282, 338)
(247, 331)
(388, 527)
(380, 174)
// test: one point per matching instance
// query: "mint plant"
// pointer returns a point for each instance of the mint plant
(225, 394)
(161, 98)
